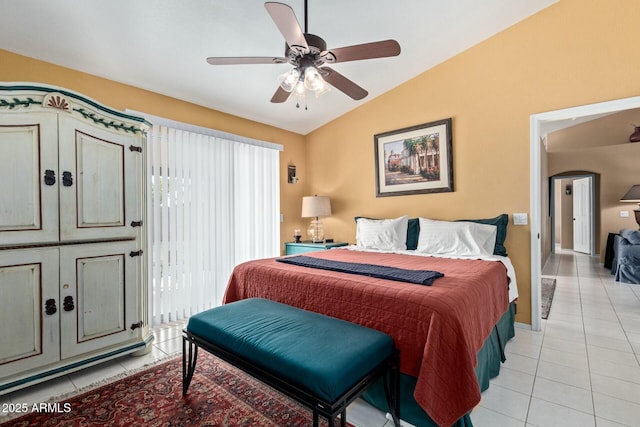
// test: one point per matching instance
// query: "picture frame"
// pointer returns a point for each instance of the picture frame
(414, 160)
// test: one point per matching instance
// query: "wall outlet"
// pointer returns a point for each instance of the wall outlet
(519, 219)
(624, 214)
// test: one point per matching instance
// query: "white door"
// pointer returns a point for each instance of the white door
(582, 220)
(30, 309)
(99, 182)
(98, 296)
(28, 178)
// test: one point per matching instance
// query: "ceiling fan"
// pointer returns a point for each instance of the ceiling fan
(308, 54)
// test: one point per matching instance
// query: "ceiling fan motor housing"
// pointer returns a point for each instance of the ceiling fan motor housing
(298, 57)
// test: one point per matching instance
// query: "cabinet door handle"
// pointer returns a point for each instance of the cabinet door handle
(67, 179)
(50, 306)
(68, 305)
(49, 177)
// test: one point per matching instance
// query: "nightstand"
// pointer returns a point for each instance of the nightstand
(292, 248)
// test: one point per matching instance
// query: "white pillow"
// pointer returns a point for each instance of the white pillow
(456, 238)
(382, 234)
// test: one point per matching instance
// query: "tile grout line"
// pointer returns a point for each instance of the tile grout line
(586, 345)
(544, 331)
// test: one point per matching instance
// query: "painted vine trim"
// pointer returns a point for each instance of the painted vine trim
(16, 102)
(108, 124)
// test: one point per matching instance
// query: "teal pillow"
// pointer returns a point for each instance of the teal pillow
(413, 232)
(501, 222)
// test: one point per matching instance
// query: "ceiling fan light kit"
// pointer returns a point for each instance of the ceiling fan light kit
(308, 53)
(314, 81)
(289, 80)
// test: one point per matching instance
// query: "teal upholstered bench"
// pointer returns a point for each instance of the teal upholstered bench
(322, 362)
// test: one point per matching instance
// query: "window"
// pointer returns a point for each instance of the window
(213, 202)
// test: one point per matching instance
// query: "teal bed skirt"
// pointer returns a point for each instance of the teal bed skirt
(490, 356)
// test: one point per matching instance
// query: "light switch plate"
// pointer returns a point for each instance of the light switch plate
(519, 219)
(624, 214)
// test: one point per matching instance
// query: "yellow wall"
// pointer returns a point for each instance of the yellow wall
(573, 53)
(120, 97)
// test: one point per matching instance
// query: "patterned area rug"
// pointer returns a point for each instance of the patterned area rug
(219, 396)
(548, 288)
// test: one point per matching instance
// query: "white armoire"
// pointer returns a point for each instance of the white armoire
(73, 274)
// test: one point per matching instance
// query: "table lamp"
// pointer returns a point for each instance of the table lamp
(315, 207)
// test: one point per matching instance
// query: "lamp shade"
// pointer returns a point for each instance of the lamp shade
(633, 195)
(313, 206)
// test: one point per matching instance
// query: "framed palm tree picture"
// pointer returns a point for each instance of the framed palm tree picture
(414, 160)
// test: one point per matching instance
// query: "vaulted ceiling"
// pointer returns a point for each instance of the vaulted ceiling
(161, 45)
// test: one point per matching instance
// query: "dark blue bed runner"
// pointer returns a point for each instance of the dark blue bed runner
(420, 277)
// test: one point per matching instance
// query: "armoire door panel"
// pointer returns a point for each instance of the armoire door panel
(98, 295)
(101, 283)
(28, 164)
(29, 321)
(99, 193)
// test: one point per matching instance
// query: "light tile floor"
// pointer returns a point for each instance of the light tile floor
(581, 370)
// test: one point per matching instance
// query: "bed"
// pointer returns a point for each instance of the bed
(446, 332)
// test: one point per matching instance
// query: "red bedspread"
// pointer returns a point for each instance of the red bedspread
(438, 329)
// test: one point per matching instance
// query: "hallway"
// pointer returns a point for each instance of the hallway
(583, 368)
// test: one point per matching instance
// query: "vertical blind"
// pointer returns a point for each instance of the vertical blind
(213, 202)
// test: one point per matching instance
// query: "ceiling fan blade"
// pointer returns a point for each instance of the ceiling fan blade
(280, 96)
(286, 21)
(233, 60)
(342, 83)
(381, 49)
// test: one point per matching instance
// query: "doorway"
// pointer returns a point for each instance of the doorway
(574, 211)
(540, 125)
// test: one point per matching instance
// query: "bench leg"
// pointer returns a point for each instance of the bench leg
(315, 418)
(392, 391)
(343, 419)
(189, 359)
